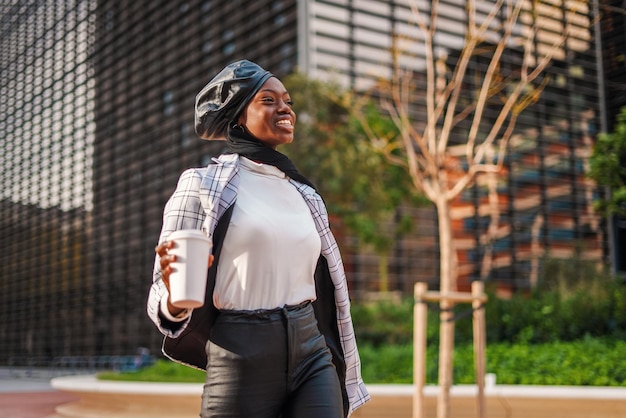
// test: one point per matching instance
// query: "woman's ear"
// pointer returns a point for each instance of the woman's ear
(241, 121)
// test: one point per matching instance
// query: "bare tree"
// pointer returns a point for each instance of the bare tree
(448, 142)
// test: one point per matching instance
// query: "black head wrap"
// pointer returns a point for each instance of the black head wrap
(219, 104)
(223, 99)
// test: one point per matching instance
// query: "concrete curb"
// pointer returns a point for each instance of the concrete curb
(92, 384)
(98, 398)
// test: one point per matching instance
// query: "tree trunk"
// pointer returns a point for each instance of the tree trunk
(383, 272)
(447, 284)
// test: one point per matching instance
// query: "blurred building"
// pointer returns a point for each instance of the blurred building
(96, 124)
(614, 89)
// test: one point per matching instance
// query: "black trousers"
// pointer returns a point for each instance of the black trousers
(270, 364)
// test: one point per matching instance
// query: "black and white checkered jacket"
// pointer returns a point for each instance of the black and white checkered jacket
(202, 198)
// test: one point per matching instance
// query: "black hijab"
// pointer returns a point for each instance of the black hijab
(239, 141)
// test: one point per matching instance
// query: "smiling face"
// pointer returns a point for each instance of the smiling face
(269, 116)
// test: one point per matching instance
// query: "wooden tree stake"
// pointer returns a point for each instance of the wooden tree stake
(477, 299)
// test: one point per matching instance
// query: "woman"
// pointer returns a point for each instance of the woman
(275, 334)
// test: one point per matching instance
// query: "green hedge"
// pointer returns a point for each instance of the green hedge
(596, 308)
(569, 331)
(547, 316)
(160, 371)
(592, 362)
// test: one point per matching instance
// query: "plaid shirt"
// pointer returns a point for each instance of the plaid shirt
(201, 198)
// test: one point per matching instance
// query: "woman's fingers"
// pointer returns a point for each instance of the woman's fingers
(165, 259)
(163, 247)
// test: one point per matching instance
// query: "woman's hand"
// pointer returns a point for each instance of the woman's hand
(165, 261)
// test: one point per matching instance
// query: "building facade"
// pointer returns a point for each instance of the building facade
(96, 124)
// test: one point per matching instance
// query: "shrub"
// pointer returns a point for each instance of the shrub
(384, 322)
(595, 307)
(589, 362)
(559, 310)
(160, 371)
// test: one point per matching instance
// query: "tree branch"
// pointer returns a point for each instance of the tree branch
(473, 37)
(493, 64)
(430, 131)
(512, 106)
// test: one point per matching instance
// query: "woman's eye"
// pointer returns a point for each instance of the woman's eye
(289, 103)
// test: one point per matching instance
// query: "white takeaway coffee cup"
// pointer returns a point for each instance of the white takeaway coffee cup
(189, 271)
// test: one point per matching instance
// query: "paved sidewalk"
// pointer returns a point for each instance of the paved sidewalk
(29, 397)
(32, 404)
(12, 385)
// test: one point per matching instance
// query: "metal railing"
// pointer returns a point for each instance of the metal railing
(40, 367)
